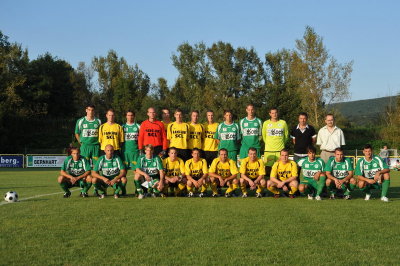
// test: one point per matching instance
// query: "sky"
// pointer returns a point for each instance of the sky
(148, 33)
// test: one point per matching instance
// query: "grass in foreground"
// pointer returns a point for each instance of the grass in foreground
(53, 230)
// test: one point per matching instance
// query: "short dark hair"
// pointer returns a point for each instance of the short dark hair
(227, 111)
(195, 149)
(311, 149)
(339, 149)
(303, 114)
(210, 111)
(251, 149)
(330, 114)
(177, 110)
(90, 106)
(172, 148)
(110, 110)
(223, 149)
(165, 108)
(250, 104)
(130, 111)
(194, 111)
(284, 150)
(367, 146)
(273, 108)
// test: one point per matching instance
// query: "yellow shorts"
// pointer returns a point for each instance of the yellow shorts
(270, 157)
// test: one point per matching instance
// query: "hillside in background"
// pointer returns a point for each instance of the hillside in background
(364, 112)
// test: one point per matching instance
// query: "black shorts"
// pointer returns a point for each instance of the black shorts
(210, 156)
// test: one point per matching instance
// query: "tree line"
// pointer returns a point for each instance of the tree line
(216, 77)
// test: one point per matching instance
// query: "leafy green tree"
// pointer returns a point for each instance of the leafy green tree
(324, 80)
(121, 86)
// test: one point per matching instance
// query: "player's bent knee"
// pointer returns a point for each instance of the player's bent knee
(263, 182)
(89, 179)
(386, 176)
(124, 180)
(353, 181)
(60, 179)
(235, 181)
(302, 187)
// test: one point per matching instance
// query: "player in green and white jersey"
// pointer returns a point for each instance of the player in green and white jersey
(314, 177)
(339, 171)
(372, 172)
(109, 171)
(228, 136)
(130, 149)
(87, 134)
(251, 131)
(75, 171)
(149, 169)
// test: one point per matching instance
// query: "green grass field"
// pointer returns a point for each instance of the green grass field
(53, 230)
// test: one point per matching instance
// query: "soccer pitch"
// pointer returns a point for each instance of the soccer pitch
(43, 230)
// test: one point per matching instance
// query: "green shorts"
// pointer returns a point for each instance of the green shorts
(244, 151)
(233, 155)
(309, 182)
(270, 157)
(90, 151)
(374, 186)
(130, 159)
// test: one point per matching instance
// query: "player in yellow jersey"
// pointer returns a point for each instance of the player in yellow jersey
(275, 134)
(196, 132)
(210, 144)
(111, 133)
(252, 173)
(223, 172)
(283, 176)
(174, 169)
(196, 171)
(178, 135)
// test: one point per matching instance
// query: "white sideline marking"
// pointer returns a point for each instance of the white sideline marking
(39, 196)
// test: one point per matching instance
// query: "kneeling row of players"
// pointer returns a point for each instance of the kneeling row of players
(155, 176)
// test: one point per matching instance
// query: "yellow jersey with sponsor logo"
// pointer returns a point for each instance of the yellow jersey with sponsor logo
(252, 169)
(225, 169)
(284, 171)
(196, 169)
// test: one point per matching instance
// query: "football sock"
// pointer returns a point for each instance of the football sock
(293, 190)
(320, 185)
(204, 187)
(214, 187)
(117, 188)
(229, 189)
(385, 187)
(274, 190)
(123, 187)
(330, 190)
(138, 187)
(243, 188)
(366, 189)
(260, 189)
(99, 188)
(88, 185)
(190, 189)
(64, 187)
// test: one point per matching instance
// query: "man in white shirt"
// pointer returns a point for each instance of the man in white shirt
(329, 138)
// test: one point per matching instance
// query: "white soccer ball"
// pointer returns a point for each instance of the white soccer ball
(11, 196)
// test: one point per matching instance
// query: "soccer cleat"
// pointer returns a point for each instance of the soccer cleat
(292, 196)
(67, 194)
(215, 195)
(96, 193)
(116, 196)
(202, 195)
(85, 195)
(190, 195)
(162, 195)
(332, 197)
(318, 198)
(258, 195)
(347, 197)
(81, 194)
(276, 196)
(384, 199)
(244, 195)
(140, 196)
(102, 196)
(367, 196)
(310, 197)
(153, 195)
